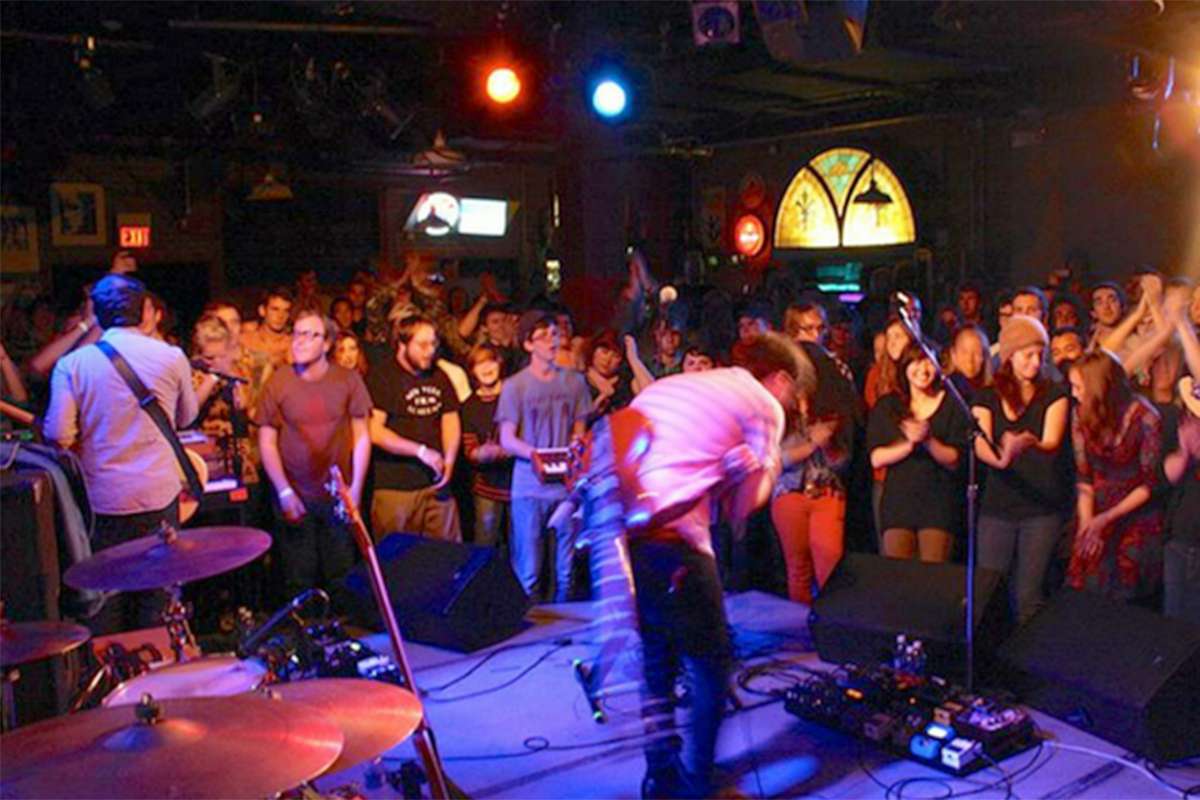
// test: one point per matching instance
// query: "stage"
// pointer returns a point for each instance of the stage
(512, 722)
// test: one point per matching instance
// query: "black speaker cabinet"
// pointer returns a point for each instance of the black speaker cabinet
(30, 587)
(455, 596)
(869, 600)
(1123, 673)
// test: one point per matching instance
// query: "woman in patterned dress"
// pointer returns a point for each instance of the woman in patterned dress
(1117, 436)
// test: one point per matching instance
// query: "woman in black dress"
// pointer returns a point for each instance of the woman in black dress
(1029, 484)
(918, 434)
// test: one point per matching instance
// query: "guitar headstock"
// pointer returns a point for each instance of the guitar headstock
(346, 509)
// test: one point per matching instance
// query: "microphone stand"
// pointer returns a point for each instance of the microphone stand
(975, 433)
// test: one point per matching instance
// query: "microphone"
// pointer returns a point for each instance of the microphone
(583, 677)
(200, 365)
(908, 306)
(248, 645)
(906, 301)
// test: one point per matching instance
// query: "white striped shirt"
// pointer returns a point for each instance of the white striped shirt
(697, 418)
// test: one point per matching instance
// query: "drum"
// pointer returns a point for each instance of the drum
(211, 676)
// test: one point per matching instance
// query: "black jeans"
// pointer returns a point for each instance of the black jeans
(130, 610)
(317, 551)
(681, 616)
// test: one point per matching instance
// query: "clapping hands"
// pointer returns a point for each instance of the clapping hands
(915, 431)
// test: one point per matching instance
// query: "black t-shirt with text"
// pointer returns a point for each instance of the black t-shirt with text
(415, 405)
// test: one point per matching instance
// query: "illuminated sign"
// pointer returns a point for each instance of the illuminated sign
(481, 217)
(440, 213)
(133, 231)
(134, 236)
(749, 235)
(437, 213)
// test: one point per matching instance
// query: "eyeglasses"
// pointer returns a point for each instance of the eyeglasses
(813, 328)
(310, 335)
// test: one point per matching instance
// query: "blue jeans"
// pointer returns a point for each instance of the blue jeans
(530, 539)
(681, 618)
(1033, 542)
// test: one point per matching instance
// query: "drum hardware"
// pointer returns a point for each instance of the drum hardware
(251, 642)
(236, 747)
(207, 676)
(167, 558)
(175, 616)
(22, 642)
(373, 717)
(117, 665)
(304, 650)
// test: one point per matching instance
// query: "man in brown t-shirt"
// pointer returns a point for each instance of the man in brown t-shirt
(313, 414)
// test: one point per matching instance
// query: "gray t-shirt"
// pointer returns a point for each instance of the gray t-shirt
(545, 413)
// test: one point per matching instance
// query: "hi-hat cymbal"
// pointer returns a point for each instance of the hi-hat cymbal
(28, 641)
(227, 747)
(374, 716)
(152, 563)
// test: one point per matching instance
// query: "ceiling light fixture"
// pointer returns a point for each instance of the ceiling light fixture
(270, 189)
(874, 196)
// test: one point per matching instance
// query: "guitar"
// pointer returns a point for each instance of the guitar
(347, 510)
(189, 505)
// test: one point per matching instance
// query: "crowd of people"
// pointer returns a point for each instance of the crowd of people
(763, 410)
(434, 403)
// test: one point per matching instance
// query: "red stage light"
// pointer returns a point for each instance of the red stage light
(749, 236)
(503, 85)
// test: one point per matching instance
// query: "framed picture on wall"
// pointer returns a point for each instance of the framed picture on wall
(18, 239)
(78, 217)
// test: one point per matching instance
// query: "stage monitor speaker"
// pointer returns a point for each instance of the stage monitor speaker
(455, 596)
(869, 600)
(1123, 673)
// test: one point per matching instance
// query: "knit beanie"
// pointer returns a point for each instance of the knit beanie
(1021, 331)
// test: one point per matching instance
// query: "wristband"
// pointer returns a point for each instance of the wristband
(421, 452)
(285, 492)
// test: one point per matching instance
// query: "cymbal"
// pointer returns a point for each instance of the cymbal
(374, 716)
(243, 746)
(28, 641)
(152, 563)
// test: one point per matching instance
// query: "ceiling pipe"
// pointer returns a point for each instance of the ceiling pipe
(302, 27)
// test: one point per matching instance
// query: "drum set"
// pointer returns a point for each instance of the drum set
(206, 726)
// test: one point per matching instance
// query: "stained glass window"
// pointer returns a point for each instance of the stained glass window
(806, 216)
(818, 209)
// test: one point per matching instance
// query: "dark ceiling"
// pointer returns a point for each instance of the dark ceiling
(377, 79)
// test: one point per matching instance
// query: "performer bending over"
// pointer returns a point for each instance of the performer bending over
(703, 439)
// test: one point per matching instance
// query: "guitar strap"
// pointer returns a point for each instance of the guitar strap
(151, 406)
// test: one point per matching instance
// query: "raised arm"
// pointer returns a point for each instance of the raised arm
(470, 320)
(14, 387)
(641, 375)
(77, 335)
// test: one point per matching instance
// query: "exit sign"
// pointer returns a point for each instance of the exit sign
(133, 236)
(133, 231)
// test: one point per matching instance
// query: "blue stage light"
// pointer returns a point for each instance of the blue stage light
(609, 98)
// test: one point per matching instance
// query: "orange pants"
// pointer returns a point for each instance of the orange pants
(812, 535)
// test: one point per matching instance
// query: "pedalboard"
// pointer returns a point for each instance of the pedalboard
(926, 720)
